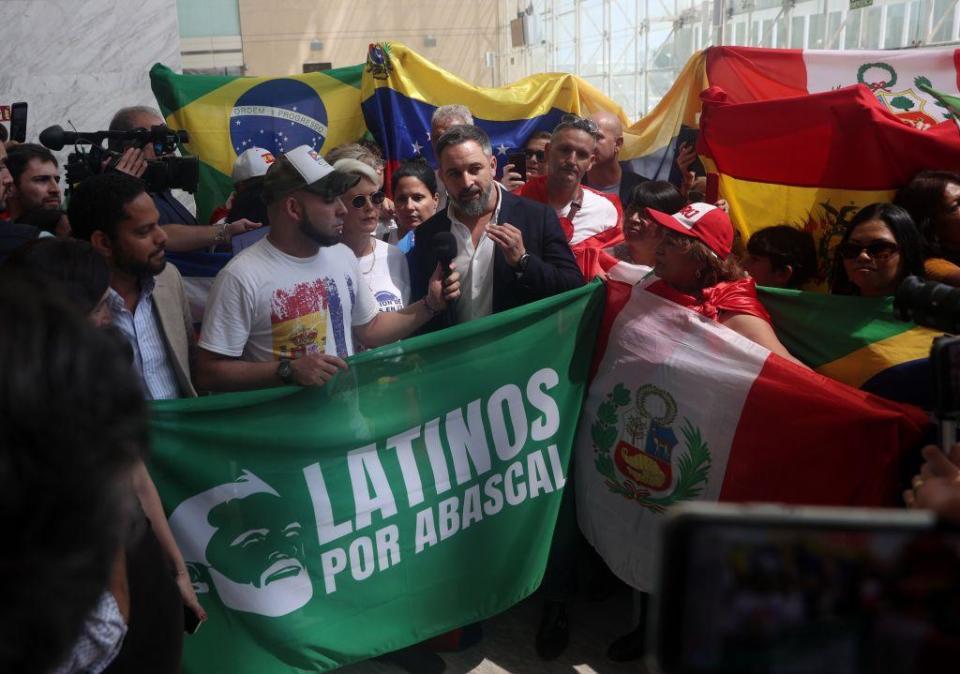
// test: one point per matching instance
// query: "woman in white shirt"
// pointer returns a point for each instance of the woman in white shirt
(382, 266)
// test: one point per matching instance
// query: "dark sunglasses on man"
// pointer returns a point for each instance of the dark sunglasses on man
(876, 250)
(375, 199)
(571, 121)
(539, 155)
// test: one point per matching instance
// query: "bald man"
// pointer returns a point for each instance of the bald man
(607, 175)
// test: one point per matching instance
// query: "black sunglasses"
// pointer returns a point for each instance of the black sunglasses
(539, 154)
(375, 199)
(570, 121)
(877, 250)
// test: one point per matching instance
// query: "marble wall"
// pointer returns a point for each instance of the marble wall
(81, 60)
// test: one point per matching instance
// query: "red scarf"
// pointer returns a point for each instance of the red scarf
(735, 297)
(588, 252)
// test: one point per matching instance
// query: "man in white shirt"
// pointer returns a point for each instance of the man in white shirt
(285, 311)
(583, 211)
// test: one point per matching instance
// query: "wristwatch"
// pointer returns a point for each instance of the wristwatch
(285, 371)
(522, 264)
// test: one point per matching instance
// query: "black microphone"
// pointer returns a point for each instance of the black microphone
(445, 248)
(55, 137)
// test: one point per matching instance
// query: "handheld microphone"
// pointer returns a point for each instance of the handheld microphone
(445, 248)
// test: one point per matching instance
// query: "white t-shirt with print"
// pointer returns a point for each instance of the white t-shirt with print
(596, 214)
(266, 304)
(387, 274)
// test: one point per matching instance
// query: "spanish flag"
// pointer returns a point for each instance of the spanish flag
(401, 90)
(227, 115)
(814, 161)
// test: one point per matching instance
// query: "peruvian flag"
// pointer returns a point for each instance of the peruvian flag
(682, 408)
(750, 74)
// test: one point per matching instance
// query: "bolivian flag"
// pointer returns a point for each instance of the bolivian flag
(401, 90)
(227, 115)
(855, 340)
(814, 161)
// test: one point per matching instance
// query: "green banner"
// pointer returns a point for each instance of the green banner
(415, 493)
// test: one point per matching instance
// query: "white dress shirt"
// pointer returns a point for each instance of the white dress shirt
(475, 264)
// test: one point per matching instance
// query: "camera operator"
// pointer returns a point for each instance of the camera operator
(181, 227)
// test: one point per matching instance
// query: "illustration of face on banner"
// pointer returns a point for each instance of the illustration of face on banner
(249, 542)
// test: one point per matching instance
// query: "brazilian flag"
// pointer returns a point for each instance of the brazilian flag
(227, 115)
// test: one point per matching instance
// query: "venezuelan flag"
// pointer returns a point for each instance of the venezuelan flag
(227, 115)
(401, 90)
(814, 161)
(855, 340)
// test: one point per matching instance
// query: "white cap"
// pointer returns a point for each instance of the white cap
(253, 163)
(309, 164)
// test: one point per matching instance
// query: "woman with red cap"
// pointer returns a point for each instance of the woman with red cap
(695, 268)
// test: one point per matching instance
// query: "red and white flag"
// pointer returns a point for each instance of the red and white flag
(682, 408)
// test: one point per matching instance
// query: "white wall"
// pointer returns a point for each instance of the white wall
(81, 60)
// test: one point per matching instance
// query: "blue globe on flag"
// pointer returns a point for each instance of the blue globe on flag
(278, 115)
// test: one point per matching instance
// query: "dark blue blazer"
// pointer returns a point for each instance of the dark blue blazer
(551, 268)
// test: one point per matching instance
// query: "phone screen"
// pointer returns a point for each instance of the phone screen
(18, 122)
(519, 161)
(780, 598)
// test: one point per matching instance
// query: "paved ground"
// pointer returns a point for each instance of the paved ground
(507, 645)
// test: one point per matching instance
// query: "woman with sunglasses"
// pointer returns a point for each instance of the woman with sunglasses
(879, 249)
(415, 198)
(641, 234)
(382, 266)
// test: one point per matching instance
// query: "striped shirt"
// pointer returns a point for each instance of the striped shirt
(142, 330)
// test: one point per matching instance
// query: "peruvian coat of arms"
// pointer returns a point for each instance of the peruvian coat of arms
(907, 104)
(636, 449)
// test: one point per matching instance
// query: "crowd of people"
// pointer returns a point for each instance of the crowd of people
(97, 321)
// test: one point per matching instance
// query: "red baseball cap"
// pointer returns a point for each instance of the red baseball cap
(704, 222)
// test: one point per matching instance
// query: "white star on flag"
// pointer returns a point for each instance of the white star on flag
(417, 147)
(237, 122)
(501, 149)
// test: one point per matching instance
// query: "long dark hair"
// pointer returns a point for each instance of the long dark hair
(922, 198)
(656, 194)
(904, 231)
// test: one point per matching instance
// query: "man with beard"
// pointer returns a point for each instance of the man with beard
(510, 251)
(116, 215)
(286, 310)
(35, 179)
(12, 235)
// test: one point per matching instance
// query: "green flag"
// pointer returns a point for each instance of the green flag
(415, 493)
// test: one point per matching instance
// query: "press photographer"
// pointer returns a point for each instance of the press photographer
(141, 145)
(181, 227)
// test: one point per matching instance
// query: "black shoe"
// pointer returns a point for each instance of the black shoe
(415, 660)
(554, 633)
(630, 646)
